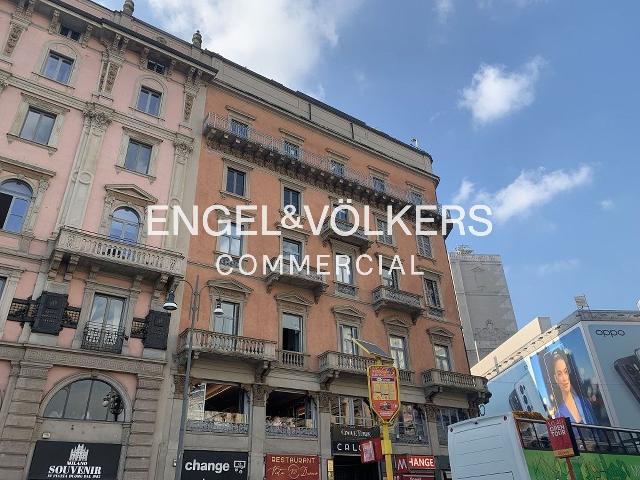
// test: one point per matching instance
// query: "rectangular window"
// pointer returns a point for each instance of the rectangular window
(347, 334)
(291, 332)
(58, 67)
(443, 361)
(235, 181)
(291, 198)
(106, 311)
(379, 184)
(291, 149)
(291, 249)
(410, 424)
(337, 168)
(230, 241)
(350, 411)
(390, 277)
(69, 33)
(228, 321)
(398, 351)
(157, 67)
(424, 245)
(37, 126)
(385, 237)
(341, 215)
(433, 297)
(149, 101)
(138, 157)
(445, 417)
(344, 272)
(240, 129)
(3, 282)
(415, 198)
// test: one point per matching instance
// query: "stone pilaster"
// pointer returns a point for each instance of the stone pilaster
(324, 429)
(15, 441)
(137, 465)
(260, 394)
(183, 151)
(20, 21)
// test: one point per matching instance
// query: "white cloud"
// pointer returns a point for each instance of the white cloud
(495, 93)
(557, 266)
(464, 192)
(532, 189)
(606, 204)
(444, 9)
(280, 39)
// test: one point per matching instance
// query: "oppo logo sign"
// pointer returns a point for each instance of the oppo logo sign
(610, 333)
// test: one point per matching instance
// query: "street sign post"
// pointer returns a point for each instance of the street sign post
(563, 441)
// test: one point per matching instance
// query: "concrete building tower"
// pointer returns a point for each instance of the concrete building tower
(483, 298)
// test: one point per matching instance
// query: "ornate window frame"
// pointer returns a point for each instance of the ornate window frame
(12, 274)
(153, 83)
(243, 242)
(347, 315)
(29, 100)
(129, 134)
(398, 328)
(241, 166)
(353, 251)
(126, 195)
(64, 47)
(443, 337)
(294, 304)
(230, 290)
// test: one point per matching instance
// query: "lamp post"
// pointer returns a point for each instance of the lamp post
(171, 305)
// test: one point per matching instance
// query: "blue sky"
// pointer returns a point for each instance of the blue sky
(528, 105)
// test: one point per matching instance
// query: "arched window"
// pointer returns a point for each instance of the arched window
(15, 197)
(125, 225)
(88, 399)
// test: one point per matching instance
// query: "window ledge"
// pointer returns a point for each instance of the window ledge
(224, 194)
(386, 244)
(120, 168)
(426, 257)
(56, 83)
(12, 137)
(150, 115)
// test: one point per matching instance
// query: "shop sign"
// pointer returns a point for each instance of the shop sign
(292, 467)
(384, 391)
(563, 442)
(77, 460)
(212, 465)
(345, 440)
(371, 450)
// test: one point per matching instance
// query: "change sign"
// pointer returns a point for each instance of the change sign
(384, 391)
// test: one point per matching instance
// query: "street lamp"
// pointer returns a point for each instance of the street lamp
(171, 305)
(113, 401)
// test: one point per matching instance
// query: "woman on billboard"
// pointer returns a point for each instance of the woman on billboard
(571, 403)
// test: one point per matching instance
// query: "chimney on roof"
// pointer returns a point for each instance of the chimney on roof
(128, 7)
(197, 39)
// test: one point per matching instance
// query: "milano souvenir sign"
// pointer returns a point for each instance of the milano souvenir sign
(292, 467)
(384, 391)
(77, 460)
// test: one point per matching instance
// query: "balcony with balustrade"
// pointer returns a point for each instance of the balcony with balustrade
(79, 246)
(345, 232)
(385, 297)
(287, 273)
(214, 345)
(442, 381)
(334, 364)
(295, 360)
(275, 153)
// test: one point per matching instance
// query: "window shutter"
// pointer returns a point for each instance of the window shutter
(157, 330)
(50, 313)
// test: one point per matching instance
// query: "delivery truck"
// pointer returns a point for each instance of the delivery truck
(516, 447)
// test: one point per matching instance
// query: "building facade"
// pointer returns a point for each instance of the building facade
(104, 116)
(483, 300)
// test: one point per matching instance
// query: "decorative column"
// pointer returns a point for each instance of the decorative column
(432, 426)
(257, 429)
(20, 21)
(15, 441)
(324, 429)
(183, 150)
(96, 120)
(137, 464)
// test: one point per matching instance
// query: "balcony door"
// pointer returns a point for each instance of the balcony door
(228, 322)
(104, 331)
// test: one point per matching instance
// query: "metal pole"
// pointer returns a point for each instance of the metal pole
(386, 450)
(571, 474)
(195, 304)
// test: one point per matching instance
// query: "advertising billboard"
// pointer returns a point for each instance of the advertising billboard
(558, 380)
(616, 347)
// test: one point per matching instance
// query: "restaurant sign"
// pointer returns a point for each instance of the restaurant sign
(292, 467)
(77, 460)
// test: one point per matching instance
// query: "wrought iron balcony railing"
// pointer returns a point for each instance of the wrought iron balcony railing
(103, 338)
(105, 250)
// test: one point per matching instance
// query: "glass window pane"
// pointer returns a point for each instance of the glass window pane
(130, 233)
(223, 245)
(154, 104)
(116, 229)
(144, 157)
(29, 127)
(114, 312)
(51, 66)
(78, 398)
(43, 131)
(55, 407)
(143, 100)
(98, 309)
(292, 322)
(65, 70)
(95, 409)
